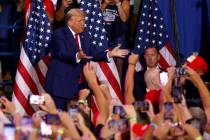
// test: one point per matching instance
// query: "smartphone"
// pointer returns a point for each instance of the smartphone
(26, 121)
(36, 99)
(26, 126)
(177, 92)
(121, 125)
(52, 119)
(119, 110)
(73, 111)
(168, 111)
(163, 78)
(112, 124)
(9, 131)
(45, 129)
(141, 106)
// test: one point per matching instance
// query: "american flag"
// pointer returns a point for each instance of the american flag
(152, 30)
(106, 72)
(34, 58)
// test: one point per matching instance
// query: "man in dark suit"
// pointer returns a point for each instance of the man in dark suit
(135, 86)
(70, 47)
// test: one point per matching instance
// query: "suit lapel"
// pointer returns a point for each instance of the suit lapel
(69, 37)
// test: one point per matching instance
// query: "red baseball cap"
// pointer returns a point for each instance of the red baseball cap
(197, 62)
(139, 129)
(153, 96)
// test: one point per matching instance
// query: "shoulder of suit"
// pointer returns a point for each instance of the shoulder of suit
(58, 30)
(61, 31)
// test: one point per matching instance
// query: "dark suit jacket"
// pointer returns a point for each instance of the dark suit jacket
(63, 71)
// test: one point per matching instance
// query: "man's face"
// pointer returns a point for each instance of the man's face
(77, 23)
(151, 57)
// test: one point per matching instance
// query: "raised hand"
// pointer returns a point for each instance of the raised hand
(82, 55)
(117, 52)
(133, 58)
(66, 3)
(9, 106)
(49, 105)
(83, 94)
(171, 72)
(130, 111)
(90, 74)
(192, 75)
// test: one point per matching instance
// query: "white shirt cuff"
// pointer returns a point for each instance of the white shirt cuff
(108, 58)
(77, 59)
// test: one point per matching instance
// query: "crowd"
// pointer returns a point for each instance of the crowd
(172, 120)
(158, 103)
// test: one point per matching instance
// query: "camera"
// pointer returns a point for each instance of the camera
(36, 99)
(177, 92)
(52, 119)
(168, 111)
(119, 110)
(141, 106)
(180, 72)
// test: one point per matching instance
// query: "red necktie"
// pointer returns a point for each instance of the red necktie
(77, 41)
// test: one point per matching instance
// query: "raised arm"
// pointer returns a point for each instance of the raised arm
(123, 9)
(129, 79)
(101, 102)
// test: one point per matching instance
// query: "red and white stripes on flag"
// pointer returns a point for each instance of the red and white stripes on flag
(28, 79)
(107, 74)
(167, 56)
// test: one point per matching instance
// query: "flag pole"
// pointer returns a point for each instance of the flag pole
(175, 32)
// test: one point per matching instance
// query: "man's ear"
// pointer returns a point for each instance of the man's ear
(70, 22)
